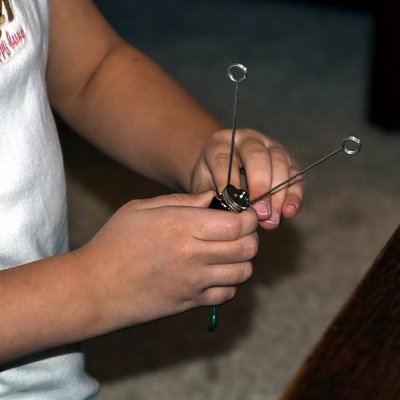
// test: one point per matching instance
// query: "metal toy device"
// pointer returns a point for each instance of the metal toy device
(234, 199)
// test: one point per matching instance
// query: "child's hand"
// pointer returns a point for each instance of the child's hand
(168, 254)
(266, 163)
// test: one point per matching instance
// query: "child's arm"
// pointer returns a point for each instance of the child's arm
(119, 99)
(152, 259)
(124, 103)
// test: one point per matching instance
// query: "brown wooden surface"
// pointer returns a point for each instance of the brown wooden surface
(358, 358)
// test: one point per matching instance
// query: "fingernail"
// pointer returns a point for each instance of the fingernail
(274, 218)
(292, 208)
(263, 210)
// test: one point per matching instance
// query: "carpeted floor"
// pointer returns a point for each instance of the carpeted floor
(307, 86)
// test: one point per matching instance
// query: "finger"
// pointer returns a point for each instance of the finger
(257, 162)
(192, 212)
(218, 161)
(294, 195)
(280, 172)
(241, 250)
(218, 225)
(178, 199)
(230, 274)
(203, 179)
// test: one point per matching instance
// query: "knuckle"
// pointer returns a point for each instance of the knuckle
(220, 295)
(135, 204)
(230, 293)
(218, 139)
(221, 135)
(219, 159)
(251, 214)
(249, 133)
(234, 226)
(247, 272)
(254, 145)
(242, 272)
(248, 249)
(279, 155)
(227, 294)
(251, 246)
(257, 152)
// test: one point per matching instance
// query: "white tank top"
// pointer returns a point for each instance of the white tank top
(32, 191)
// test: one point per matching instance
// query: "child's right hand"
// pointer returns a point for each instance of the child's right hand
(165, 255)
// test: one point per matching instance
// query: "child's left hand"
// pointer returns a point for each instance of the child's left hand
(266, 162)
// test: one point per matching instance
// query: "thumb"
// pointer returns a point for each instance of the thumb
(177, 199)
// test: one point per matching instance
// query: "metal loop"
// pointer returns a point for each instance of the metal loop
(351, 145)
(237, 69)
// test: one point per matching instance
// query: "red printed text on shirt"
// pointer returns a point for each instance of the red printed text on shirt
(10, 43)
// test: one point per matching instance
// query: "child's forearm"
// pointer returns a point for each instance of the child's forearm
(136, 113)
(45, 304)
